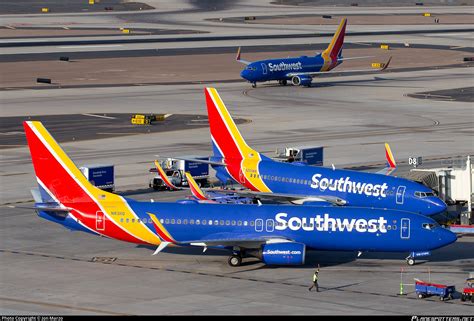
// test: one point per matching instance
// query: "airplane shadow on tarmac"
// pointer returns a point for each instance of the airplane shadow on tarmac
(323, 83)
(457, 251)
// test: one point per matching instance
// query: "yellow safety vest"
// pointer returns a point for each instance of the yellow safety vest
(315, 277)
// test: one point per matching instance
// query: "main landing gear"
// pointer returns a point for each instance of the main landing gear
(282, 82)
(235, 259)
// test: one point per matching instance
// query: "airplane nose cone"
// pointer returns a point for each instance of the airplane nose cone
(244, 74)
(446, 237)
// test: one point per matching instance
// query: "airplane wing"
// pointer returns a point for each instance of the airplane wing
(315, 73)
(237, 58)
(353, 58)
(244, 241)
(292, 198)
(391, 164)
(222, 241)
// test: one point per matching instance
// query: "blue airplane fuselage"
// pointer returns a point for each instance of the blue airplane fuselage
(353, 187)
(278, 69)
(322, 228)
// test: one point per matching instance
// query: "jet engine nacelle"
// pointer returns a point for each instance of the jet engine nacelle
(288, 253)
(301, 80)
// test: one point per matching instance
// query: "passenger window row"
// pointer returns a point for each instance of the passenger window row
(284, 179)
(138, 220)
(251, 223)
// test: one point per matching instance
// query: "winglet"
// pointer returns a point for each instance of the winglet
(164, 235)
(389, 157)
(386, 64)
(237, 58)
(163, 176)
(195, 189)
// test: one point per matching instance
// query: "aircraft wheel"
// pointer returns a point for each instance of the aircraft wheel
(463, 297)
(235, 260)
(254, 85)
(411, 261)
(420, 296)
(441, 298)
(283, 82)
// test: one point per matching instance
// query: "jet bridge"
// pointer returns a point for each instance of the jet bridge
(454, 184)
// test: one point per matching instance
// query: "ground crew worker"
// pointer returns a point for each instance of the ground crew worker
(315, 280)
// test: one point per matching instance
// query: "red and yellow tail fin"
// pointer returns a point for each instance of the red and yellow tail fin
(195, 189)
(333, 51)
(224, 133)
(163, 176)
(55, 171)
(241, 160)
(92, 207)
(389, 157)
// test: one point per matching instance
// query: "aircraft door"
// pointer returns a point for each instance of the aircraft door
(405, 228)
(269, 225)
(400, 194)
(99, 221)
(264, 69)
(259, 225)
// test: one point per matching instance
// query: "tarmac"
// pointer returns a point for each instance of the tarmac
(46, 269)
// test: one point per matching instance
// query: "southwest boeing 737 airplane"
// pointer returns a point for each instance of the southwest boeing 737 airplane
(300, 71)
(275, 234)
(235, 161)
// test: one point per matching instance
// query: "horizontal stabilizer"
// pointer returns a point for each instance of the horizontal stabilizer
(44, 207)
(161, 247)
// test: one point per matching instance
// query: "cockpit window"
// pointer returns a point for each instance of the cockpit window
(429, 226)
(251, 68)
(424, 194)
